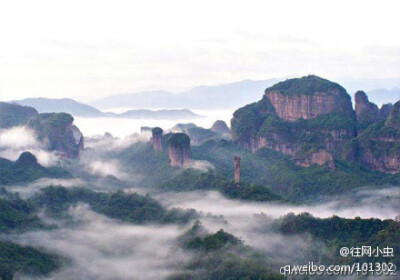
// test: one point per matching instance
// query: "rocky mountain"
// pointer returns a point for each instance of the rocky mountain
(14, 114)
(179, 149)
(59, 134)
(367, 112)
(312, 120)
(307, 118)
(378, 145)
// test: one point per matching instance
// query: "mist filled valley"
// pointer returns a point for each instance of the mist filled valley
(227, 194)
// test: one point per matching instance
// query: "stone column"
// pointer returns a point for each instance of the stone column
(237, 169)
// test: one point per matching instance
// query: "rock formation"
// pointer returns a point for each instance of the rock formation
(297, 117)
(13, 114)
(320, 157)
(198, 135)
(59, 134)
(156, 139)
(179, 149)
(367, 113)
(307, 98)
(378, 145)
(236, 165)
(220, 127)
(27, 159)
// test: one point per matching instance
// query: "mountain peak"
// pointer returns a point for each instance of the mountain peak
(307, 85)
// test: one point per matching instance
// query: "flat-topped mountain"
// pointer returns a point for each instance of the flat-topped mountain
(308, 97)
(312, 119)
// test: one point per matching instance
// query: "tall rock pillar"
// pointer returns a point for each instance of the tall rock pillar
(156, 139)
(236, 164)
(179, 149)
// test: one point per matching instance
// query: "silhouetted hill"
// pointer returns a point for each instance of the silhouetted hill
(77, 109)
(65, 105)
(224, 96)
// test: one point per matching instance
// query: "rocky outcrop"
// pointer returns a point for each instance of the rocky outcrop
(378, 146)
(312, 120)
(26, 159)
(179, 149)
(220, 127)
(57, 132)
(13, 114)
(384, 111)
(296, 117)
(198, 135)
(321, 157)
(307, 98)
(367, 113)
(236, 165)
(157, 139)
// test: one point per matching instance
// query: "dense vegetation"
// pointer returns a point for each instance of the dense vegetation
(178, 140)
(337, 232)
(192, 179)
(16, 258)
(247, 120)
(280, 174)
(14, 114)
(17, 215)
(26, 169)
(221, 256)
(46, 122)
(127, 207)
(151, 168)
(308, 85)
(157, 131)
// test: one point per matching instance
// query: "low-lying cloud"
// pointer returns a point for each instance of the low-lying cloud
(19, 139)
(102, 248)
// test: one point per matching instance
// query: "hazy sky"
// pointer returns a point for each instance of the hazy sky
(90, 49)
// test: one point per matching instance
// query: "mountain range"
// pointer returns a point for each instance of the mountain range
(77, 109)
(226, 96)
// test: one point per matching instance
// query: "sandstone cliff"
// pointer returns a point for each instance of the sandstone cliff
(179, 149)
(157, 139)
(307, 98)
(59, 134)
(299, 117)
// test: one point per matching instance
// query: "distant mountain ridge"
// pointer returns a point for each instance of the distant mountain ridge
(225, 96)
(77, 109)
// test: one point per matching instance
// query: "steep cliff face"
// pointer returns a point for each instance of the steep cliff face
(320, 157)
(57, 131)
(297, 117)
(179, 149)
(14, 114)
(367, 113)
(307, 98)
(157, 139)
(378, 146)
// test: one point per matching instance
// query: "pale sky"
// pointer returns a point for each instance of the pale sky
(90, 49)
